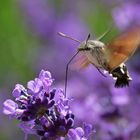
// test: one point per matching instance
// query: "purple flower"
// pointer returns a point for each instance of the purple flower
(79, 133)
(19, 89)
(35, 86)
(41, 110)
(63, 103)
(11, 108)
(46, 78)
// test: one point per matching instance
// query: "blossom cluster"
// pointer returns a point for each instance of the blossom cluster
(43, 111)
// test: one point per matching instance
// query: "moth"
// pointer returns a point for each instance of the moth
(110, 57)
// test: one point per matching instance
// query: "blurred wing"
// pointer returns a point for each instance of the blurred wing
(122, 47)
(80, 62)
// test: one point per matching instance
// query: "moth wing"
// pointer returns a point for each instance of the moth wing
(81, 61)
(119, 50)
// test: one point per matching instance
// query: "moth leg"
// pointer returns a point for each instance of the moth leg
(100, 71)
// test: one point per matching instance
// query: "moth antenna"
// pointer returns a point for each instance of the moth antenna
(87, 39)
(66, 36)
(67, 67)
(105, 33)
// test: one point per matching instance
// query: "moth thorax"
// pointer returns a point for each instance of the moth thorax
(94, 43)
(91, 44)
(96, 55)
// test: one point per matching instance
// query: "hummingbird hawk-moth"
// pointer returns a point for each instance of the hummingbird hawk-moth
(109, 57)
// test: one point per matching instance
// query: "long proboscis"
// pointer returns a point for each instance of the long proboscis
(67, 67)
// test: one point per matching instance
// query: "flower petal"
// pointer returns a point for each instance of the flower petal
(35, 86)
(46, 78)
(9, 107)
(72, 135)
(87, 129)
(79, 131)
(18, 89)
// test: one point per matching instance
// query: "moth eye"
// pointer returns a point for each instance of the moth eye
(92, 44)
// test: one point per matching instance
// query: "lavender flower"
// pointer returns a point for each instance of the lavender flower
(79, 133)
(43, 111)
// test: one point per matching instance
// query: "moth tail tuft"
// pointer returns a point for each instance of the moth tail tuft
(121, 75)
(122, 82)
